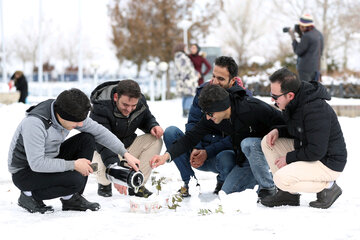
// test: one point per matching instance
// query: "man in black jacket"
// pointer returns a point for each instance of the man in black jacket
(308, 50)
(21, 85)
(309, 153)
(232, 112)
(121, 108)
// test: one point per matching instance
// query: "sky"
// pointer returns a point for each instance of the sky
(242, 218)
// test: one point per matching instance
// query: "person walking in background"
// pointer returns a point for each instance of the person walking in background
(308, 153)
(21, 85)
(198, 62)
(185, 76)
(308, 50)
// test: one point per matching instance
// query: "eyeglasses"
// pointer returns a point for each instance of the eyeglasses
(275, 97)
(211, 114)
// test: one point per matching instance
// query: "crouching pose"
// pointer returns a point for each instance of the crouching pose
(308, 153)
(45, 166)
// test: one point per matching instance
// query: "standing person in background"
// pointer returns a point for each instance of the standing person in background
(198, 62)
(308, 50)
(21, 85)
(185, 76)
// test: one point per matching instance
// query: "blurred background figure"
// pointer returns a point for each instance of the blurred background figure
(19, 80)
(185, 77)
(198, 62)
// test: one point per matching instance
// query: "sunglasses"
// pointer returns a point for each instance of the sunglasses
(211, 114)
(275, 97)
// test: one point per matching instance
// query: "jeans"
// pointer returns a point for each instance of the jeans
(186, 102)
(222, 163)
(251, 147)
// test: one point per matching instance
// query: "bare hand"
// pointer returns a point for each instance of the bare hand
(132, 161)
(82, 165)
(198, 157)
(121, 189)
(280, 162)
(271, 137)
(157, 131)
(158, 160)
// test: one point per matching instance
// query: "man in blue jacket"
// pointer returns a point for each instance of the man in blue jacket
(215, 151)
(309, 152)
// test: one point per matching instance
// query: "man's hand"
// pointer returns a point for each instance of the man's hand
(157, 131)
(132, 161)
(198, 157)
(121, 189)
(158, 160)
(271, 137)
(280, 162)
(292, 34)
(82, 165)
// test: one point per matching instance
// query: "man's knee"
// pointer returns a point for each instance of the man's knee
(171, 134)
(226, 159)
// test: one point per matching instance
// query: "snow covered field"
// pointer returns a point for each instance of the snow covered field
(242, 217)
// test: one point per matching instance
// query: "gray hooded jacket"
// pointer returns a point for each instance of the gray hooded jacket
(37, 140)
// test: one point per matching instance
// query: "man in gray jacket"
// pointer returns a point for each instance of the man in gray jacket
(308, 50)
(45, 166)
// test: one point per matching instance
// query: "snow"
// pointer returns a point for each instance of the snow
(242, 217)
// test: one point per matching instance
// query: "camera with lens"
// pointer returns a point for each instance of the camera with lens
(124, 175)
(296, 29)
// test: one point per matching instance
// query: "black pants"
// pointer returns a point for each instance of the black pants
(52, 185)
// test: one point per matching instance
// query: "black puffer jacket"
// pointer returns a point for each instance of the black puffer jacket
(106, 113)
(250, 117)
(313, 124)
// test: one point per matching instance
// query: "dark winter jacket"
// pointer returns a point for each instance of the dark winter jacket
(107, 114)
(22, 86)
(198, 62)
(212, 143)
(313, 124)
(309, 51)
(250, 117)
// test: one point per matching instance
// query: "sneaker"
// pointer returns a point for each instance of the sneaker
(218, 187)
(266, 192)
(104, 190)
(32, 205)
(78, 203)
(326, 197)
(281, 198)
(142, 192)
(184, 191)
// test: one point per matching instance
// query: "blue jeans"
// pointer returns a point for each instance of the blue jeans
(222, 163)
(251, 147)
(187, 102)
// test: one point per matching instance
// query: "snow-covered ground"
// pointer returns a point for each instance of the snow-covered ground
(242, 217)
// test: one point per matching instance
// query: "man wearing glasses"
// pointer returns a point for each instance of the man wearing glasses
(236, 115)
(309, 153)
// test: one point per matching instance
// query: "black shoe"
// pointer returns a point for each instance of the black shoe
(32, 205)
(266, 192)
(218, 187)
(142, 192)
(104, 190)
(281, 198)
(184, 191)
(326, 197)
(78, 203)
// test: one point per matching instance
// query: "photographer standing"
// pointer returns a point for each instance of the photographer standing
(308, 50)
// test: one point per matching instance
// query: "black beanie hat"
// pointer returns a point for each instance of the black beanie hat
(72, 105)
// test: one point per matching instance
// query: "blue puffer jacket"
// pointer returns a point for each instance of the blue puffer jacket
(212, 143)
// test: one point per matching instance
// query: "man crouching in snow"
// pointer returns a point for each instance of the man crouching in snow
(42, 162)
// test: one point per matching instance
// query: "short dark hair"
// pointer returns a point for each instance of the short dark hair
(72, 105)
(128, 88)
(288, 80)
(229, 63)
(210, 95)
